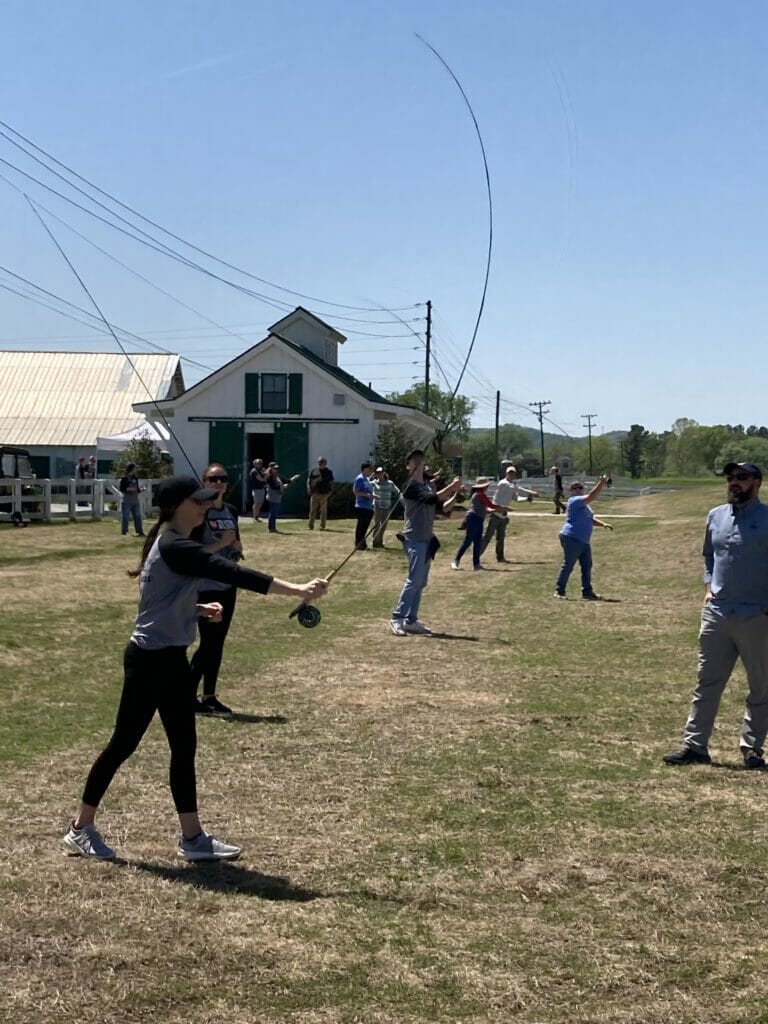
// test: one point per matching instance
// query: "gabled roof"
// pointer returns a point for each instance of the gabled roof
(301, 313)
(69, 398)
(341, 375)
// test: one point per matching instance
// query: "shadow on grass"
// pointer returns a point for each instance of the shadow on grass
(226, 877)
(242, 716)
(218, 876)
(453, 636)
(740, 768)
(529, 561)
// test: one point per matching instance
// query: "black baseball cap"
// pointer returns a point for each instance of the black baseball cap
(745, 467)
(176, 489)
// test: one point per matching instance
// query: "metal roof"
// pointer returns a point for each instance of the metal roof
(69, 398)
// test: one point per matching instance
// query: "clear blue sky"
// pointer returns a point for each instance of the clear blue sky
(322, 147)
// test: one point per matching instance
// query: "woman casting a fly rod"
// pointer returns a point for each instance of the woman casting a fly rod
(157, 673)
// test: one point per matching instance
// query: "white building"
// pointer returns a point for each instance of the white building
(56, 404)
(284, 400)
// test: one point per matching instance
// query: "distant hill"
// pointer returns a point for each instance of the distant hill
(549, 439)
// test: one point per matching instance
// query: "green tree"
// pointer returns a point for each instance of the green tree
(744, 449)
(142, 451)
(692, 448)
(634, 449)
(479, 455)
(390, 449)
(453, 413)
(605, 456)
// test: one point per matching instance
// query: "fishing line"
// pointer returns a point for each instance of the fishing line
(307, 614)
(153, 400)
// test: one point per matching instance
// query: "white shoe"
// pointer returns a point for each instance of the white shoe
(418, 628)
(454, 565)
(87, 842)
(207, 847)
(398, 627)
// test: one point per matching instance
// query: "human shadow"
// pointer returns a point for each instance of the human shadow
(223, 876)
(227, 877)
(739, 768)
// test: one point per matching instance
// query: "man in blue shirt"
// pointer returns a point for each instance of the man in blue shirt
(363, 491)
(734, 619)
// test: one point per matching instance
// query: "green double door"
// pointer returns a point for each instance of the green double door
(226, 444)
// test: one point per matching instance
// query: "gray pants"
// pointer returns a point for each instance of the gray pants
(723, 639)
(496, 525)
(380, 516)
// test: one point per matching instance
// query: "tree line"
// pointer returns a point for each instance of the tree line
(688, 448)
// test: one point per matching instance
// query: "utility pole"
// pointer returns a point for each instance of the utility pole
(426, 358)
(541, 410)
(498, 406)
(589, 416)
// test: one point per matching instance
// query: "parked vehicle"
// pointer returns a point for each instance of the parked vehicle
(15, 465)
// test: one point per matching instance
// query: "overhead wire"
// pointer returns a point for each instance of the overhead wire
(161, 415)
(159, 227)
(66, 302)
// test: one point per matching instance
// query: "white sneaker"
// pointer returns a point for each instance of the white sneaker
(87, 842)
(418, 628)
(398, 627)
(454, 565)
(207, 847)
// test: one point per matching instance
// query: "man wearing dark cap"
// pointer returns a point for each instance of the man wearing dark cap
(734, 619)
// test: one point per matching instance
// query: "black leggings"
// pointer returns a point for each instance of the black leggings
(206, 661)
(154, 681)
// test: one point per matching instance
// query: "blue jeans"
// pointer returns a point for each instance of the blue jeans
(418, 573)
(575, 551)
(127, 510)
(274, 511)
(473, 536)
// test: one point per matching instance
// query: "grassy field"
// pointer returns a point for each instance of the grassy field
(475, 827)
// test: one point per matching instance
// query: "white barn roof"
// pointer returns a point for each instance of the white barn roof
(69, 398)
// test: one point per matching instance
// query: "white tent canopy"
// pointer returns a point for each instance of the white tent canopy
(119, 442)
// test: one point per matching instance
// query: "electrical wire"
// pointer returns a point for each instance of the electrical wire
(69, 316)
(161, 415)
(159, 227)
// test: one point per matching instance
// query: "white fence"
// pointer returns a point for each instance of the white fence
(46, 500)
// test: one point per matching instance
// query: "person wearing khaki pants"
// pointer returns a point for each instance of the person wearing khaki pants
(319, 485)
(734, 619)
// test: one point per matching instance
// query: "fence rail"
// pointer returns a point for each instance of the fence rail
(48, 500)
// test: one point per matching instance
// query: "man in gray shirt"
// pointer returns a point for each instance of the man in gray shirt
(419, 542)
(734, 619)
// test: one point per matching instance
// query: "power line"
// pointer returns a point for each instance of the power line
(85, 312)
(159, 227)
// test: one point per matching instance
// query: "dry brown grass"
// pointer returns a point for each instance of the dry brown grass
(470, 829)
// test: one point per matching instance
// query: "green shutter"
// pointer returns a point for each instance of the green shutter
(295, 387)
(226, 444)
(251, 394)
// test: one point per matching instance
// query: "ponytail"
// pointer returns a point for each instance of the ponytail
(166, 514)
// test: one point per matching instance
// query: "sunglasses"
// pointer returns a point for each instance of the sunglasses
(739, 476)
(217, 479)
